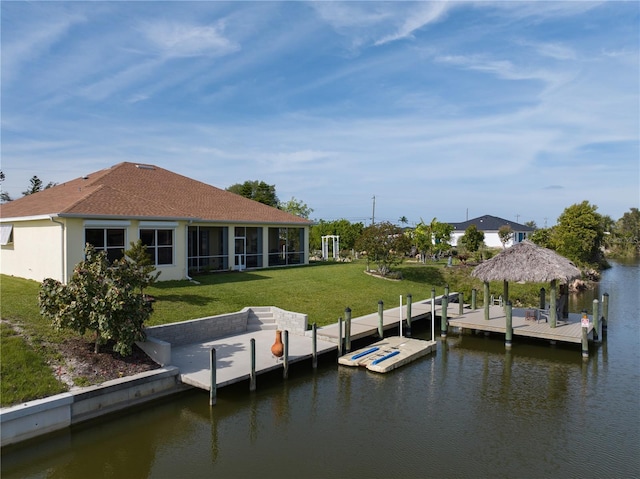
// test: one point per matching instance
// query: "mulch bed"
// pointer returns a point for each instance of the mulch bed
(105, 365)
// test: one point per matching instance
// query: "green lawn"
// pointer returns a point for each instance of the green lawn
(321, 290)
(24, 372)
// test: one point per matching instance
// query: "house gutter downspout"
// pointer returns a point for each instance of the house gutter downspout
(64, 249)
(186, 252)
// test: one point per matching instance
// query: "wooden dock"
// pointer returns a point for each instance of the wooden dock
(367, 325)
(567, 330)
(234, 359)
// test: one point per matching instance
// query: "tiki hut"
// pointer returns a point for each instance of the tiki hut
(527, 262)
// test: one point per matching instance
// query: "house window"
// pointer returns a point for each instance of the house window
(208, 248)
(286, 246)
(111, 240)
(6, 234)
(159, 243)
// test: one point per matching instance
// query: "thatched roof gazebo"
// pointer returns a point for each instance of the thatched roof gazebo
(527, 262)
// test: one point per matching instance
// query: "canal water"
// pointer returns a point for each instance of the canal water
(471, 410)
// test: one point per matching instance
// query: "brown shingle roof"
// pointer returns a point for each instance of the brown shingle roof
(129, 190)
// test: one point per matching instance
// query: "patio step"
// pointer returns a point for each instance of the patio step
(261, 319)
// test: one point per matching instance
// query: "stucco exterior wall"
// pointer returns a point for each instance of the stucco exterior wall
(43, 248)
(28, 257)
(491, 239)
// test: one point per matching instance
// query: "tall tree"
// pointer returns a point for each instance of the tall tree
(505, 233)
(36, 185)
(348, 232)
(441, 236)
(296, 207)
(385, 245)
(4, 196)
(256, 190)
(543, 237)
(579, 233)
(626, 232)
(472, 239)
(432, 238)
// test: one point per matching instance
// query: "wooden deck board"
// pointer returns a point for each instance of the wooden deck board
(567, 330)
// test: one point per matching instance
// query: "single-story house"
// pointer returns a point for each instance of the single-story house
(187, 226)
(490, 225)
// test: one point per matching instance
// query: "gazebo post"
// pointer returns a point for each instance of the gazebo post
(505, 292)
(508, 337)
(486, 300)
(552, 304)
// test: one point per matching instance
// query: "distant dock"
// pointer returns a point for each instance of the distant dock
(568, 330)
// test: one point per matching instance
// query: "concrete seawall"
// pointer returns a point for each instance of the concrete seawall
(35, 418)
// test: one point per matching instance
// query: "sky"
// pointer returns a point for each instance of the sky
(361, 110)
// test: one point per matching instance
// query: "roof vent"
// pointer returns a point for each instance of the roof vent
(146, 167)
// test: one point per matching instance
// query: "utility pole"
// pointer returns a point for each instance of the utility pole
(517, 218)
(373, 215)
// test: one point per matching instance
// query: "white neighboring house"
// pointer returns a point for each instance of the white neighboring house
(490, 225)
(188, 226)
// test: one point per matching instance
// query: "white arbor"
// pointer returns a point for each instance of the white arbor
(335, 247)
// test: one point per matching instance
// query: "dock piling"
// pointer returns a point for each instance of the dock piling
(409, 299)
(285, 371)
(605, 312)
(252, 377)
(486, 300)
(381, 319)
(585, 334)
(474, 298)
(212, 370)
(461, 302)
(340, 343)
(596, 325)
(433, 314)
(443, 313)
(314, 342)
(508, 337)
(347, 329)
(553, 316)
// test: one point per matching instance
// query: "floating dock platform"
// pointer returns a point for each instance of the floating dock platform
(388, 354)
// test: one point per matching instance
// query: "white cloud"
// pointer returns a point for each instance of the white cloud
(173, 39)
(33, 41)
(379, 23)
(427, 13)
(506, 69)
(557, 51)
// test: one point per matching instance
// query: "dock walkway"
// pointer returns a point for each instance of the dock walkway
(233, 352)
(233, 357)
(367, 325)
(567, 330)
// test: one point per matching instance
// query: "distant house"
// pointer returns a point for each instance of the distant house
(188, 226)
(490, 225)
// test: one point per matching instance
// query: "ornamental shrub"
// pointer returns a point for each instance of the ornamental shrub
(106, 298)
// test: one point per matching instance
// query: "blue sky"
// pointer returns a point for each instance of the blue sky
(444, 110)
